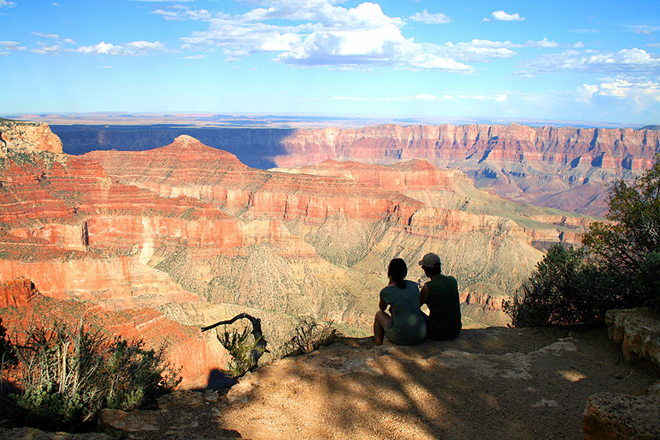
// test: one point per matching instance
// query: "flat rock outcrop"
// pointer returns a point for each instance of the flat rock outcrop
(610, 416)
(638, 332)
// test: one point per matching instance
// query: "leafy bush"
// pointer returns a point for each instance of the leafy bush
(68, 378)
(565, 288)
(239, 344)
(617, 267)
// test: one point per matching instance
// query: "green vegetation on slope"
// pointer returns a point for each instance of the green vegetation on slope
(616, 268)
(66, 376)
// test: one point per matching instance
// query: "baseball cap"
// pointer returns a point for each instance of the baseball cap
(430, 260)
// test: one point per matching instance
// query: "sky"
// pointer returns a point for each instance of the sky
(579, 60)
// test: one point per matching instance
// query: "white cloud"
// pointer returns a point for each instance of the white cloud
(585, 31)
(132, 49)
(645, 30)
(195, 57)
(53, 36)
(328, 35)
(624, 61)
(544, 44)
(182, 12)
(11, 46)
(6, 4)
(640, 92)
(44, 49)
(503, 16)
(429, 18)
(322, 33)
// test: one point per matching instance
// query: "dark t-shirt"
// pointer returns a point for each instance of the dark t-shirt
(444, 320)
(407, 318)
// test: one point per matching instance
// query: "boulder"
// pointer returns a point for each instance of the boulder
(622, 416)
(638, 332)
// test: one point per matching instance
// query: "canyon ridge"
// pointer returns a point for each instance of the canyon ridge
(568, 168)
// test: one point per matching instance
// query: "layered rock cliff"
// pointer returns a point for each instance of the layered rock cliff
(346, 219)
(561, 167)
(27, 136)
(567, 168)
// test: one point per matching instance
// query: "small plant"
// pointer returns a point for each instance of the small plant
(310, 335)
(240, 345)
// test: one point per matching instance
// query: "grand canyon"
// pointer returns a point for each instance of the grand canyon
(155, 241)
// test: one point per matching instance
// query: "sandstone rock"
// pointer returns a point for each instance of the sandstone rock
(28, 136)
(546, 165)
(16, 293)
(638, 332)
(620, 416)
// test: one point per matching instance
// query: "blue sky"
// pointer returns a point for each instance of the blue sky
(579, 60)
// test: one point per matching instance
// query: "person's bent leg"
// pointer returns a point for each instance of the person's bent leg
(380, 324)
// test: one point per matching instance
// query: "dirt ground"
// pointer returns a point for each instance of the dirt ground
(494, 383)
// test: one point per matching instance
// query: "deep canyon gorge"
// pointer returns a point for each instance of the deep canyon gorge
(157, 243)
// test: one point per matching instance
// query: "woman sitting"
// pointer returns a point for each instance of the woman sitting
(405, 325)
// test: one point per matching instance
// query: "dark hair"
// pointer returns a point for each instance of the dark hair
(435, 270)
(398, 270)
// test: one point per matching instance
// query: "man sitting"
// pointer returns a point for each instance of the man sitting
(441, 296)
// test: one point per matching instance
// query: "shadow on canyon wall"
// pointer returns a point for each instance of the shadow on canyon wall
(255, 147)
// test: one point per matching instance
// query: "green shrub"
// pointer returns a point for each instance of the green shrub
(239, 344)
(67, 376)
(565, 288)
(617, 267)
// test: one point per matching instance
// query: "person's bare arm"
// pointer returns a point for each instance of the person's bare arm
(382, 305)
(423, 294)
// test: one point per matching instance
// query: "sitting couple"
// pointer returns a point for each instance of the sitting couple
(406, 324)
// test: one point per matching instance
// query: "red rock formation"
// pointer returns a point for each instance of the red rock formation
(191, 168)
(16, 293)
(188, 350)
(521, 162)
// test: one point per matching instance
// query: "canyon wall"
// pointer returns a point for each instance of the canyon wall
(567, 168)
(346, 219)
